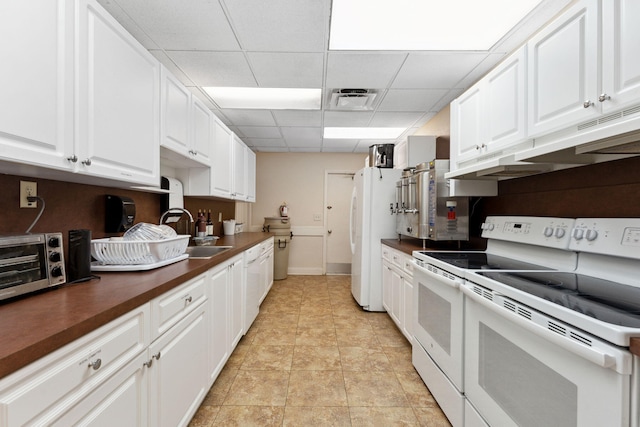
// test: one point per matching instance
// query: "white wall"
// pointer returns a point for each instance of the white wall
(298, 179)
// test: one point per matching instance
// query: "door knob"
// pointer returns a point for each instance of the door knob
(329, 207)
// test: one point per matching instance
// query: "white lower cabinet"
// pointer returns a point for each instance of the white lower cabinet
(266, 268)
(397, 289)
(219, 348)
(236, 303)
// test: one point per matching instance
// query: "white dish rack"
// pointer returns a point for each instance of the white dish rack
(138, 252)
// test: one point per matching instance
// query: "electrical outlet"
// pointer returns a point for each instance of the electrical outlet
(28, 189)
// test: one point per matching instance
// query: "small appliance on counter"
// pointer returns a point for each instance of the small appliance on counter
(79, 256)
(120, 213)
(423, 208)
(381, 155)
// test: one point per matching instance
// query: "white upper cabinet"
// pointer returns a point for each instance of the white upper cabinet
(251, 175)
(466, 125)
(621, 62)
(239, 169)
(563, 70)
(186, 124)
(36, 124)
(221, 167)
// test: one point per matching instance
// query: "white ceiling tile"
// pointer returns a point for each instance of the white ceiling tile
(240, 117)
(297, 70)
(265, 142)
(128, 23)
(260, 132)
(164, 59)
(302, 136)
(363, 147)
(280, 25)
(362, 70)
(182, 24)
(411, 99)
(340, 143)
(436, 70)
(198, 93)
(347, 118)
(297, 117)
(480, 70)
(390, 119)
(307, 149)
(271, 149)
(326, 149)
(215, 68)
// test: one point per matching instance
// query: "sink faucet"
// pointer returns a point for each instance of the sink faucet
(162, 217)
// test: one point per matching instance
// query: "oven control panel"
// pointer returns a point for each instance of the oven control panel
(544, 231)
(607, 236)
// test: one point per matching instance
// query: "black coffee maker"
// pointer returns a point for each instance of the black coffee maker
(381, 155)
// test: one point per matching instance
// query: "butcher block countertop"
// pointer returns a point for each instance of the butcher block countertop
(35, 325)
(409, 245)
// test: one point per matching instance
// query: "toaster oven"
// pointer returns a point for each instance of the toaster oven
(29, 263)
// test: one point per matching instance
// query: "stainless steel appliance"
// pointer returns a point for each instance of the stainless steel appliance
(515, 243)
(381, 155)
(369, 222)
(565, 335)
(423, 208)
(29, 263)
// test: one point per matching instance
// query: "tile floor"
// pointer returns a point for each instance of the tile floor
(314, 358)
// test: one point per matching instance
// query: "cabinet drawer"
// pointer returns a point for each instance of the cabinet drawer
(408, 265)
(62, 378)
(266, 246)
(169, 308)
(397, 258)
(386, 253)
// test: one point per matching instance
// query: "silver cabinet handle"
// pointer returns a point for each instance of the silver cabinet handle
(148, 363)
(86, 162)
(587, 104)
(72, 159)
(603, 97)
(95, 365)
(156, 356)
(188, 299)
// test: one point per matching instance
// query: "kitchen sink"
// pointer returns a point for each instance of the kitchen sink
(206, 252)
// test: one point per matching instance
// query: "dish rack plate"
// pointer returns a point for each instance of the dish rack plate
(131, 252)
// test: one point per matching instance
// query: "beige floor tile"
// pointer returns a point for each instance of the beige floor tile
(343, 320)
(218, 391)
(316, 416)
(307, 320)
(205, 416)
(259, 388)
(374, 389)
(357, 337)
(268, 358)
(382, 417)
(431, 416)
(276, 320)
(364, 359)
(316, 358)
(391, 337)
(400, 358)
(316, 388)
(275, 336)
(414, 388)
(249, 416)
(381, 320)
(316, 336)
(237, 357)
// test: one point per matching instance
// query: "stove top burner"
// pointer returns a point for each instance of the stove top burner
(482, 261)
(607, 301)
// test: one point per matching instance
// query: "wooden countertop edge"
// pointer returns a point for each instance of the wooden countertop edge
(39, 324)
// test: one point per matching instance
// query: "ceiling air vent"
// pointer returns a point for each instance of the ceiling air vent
(352, 99)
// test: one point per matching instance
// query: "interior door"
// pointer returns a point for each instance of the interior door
(338, 211)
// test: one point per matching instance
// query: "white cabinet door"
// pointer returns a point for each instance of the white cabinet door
(251, 175)
(36, 123)
(620, 59)
(221, 168)
(219, 321)
(467, 128)
(563, 70)
(178, 379)
(236, 306)
(386, 286)
(239, 169)
(175, 110)
(201, 131)
(505, 107)
(397, 303)
(118, 101)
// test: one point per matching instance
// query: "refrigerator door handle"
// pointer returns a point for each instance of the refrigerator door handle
(352, 220)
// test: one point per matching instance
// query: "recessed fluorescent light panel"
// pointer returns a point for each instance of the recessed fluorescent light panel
(362, 133)
(423, 24)
(266, 98)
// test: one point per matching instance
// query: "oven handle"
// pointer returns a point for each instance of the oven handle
(453, 281)
(593, 355)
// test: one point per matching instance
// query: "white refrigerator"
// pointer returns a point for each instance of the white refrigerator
(371, 220)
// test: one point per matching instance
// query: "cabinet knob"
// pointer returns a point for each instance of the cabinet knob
(95, 365)
(603, 97)
(188, 299)
(86, 162)
(72, 159)
(587, 104)
(156, 356)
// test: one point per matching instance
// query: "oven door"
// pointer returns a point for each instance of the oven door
(519, 372)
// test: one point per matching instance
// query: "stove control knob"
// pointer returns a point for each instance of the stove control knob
(548, 231)
(55, 257)
(591, 235)
(54, 242)
(56, 272)
(578, 233)
(488, 226)
(559, 233)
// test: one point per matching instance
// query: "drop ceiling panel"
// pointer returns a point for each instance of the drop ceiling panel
(418, 100)
(183, 25)
(265, 142)
(290, 70)
(164, 59)
(271, 149)
(240, 117)
(280, 25)
(231, 68)
(297, 117)
(302, 136)
(347, 118)
(347, 144)
(259, 131)
(390, 119)
(128, 23)
(362, 70)
(435, 70)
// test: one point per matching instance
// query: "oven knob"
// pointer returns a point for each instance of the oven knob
(409, 229)
(55, 257)
(591, 235)
(578, 233)
(54, 242)
(56, 272)
(548, 231)
(559, 233)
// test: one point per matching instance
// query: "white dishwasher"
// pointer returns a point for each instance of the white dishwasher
(253, 286)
